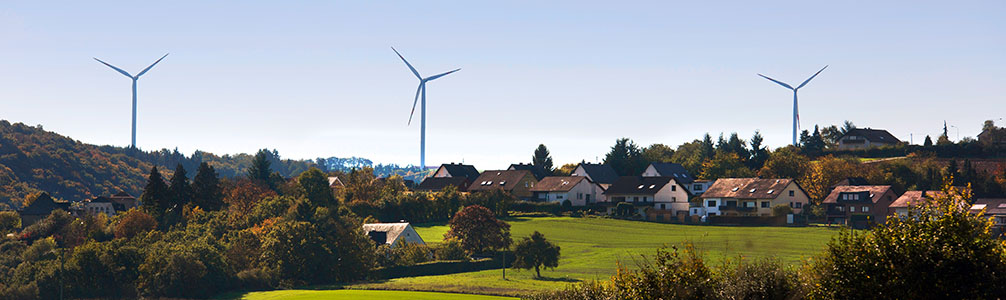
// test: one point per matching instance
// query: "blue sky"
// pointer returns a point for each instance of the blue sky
(318, 79)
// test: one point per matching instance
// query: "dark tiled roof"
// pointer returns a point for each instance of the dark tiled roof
(101, 199)
(122, 195)
(673, 170)
(746, 188)
(993, 206)
(439, 183)
(459, 170)
(495, 179)
(537, 171)
(873, 135)
(557, 183)
(44, 205)
(876, 191)
(599, 173)
(637, 185)
(914, 198)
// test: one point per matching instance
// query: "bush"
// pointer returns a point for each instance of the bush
(409, 254)
(10, 221)
(761, 279)
(781, 210)
(134, 222)
(624, 209)
(535, 207)
(451, 249)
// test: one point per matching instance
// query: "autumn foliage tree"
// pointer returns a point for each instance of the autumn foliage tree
(536, 252)
(134, 222)
(479, 230)
(243, 197)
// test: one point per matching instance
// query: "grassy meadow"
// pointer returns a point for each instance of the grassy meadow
(363, 294)
(592, 248)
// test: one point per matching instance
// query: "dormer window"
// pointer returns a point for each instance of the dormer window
(735, 189)
(640, 187)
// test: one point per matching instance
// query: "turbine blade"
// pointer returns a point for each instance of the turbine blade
(811, 77)
(151, 66)
(776, 81)
(407, 64)
(413, 112)
(442, 74)
(113, 67)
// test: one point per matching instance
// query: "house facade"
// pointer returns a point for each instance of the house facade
(392, 234)
(516, 182)
(901, 205)
(859, 206)
(862, 138)
(751, 197)
(577, 190)
(994, 208)
(41, 208)
(657, 198)
(600, 173)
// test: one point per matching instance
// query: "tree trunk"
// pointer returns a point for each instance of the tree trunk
(537, 271)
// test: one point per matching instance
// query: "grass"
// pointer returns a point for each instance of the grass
(592, 249)
(363, 294)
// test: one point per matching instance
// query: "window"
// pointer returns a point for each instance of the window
(792, 193)
(799, 205)
(646, 198)
(697, 187)
(579, 195)
(852, 209)
(674, 188)
(674, 199)
(764, 204)
(588, 197)
(732, 203)
(559, 196)
(750, 204)
(662, 206)
(711, 203)
(840, 208)
(635, 199)
(866, 209)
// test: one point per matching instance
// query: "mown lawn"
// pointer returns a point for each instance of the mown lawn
(363, 294)
(592, 248)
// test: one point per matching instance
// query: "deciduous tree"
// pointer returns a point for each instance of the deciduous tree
(536, 252)
(479, 230)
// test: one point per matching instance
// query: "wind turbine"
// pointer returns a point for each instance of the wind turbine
(134, 78)
(421, 90)
(796, 111)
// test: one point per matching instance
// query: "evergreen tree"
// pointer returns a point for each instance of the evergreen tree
(804, 140)
(315, 186)
(260, 170)
(848, 126)
(759, 154)
(181, 192)
(626, 158)
(928, 143)
(707, 147)
(542, 159)
(206, 191)
(156, 196)
(737, 146)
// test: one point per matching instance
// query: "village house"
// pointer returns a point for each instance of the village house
(537, 171)
(668, 170)
(751, 197)
(603, 174)
(457, 170)
(995, 208)
(436, 184)
(102, 205)
(125, 199)
(515, 182)
(859, 206)
(862, 138)
(41, 208)
(657, 198)
(901, 205)
(577, 190)
(392, 234)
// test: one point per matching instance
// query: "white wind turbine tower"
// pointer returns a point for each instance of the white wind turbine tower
(421, 90)
(796, 111)
(134, 78)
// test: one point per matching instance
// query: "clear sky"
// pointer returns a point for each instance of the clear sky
(318, 79)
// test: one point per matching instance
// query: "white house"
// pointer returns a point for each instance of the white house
(578, 190)
(752, 196)
(101, 205)
(654, 197)
(392, 234)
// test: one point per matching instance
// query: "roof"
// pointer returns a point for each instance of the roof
(100, 199)
(914, 198)
(599, 173)
(638, 185)
(876, 192)
(557, 183)
(673, 170)
(747, 188)
(439, 183)
(537, 171)
(392, 230)
(992, 206)
(496, 179)
(122, 194)
(334, 181)
(44, 205)
(851, 181)
(873, 135)
(460, 170)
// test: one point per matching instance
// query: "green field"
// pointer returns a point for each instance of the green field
(592, 248)
(362, 294)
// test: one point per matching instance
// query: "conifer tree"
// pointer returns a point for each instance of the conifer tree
(206, 191)
(155, 197)
(260, 170)
(542, 158)
(181, 192)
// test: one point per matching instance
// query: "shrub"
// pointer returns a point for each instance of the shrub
(408, 254)
(451, 249)
(781, 210)
(761, 279)
(10, 221)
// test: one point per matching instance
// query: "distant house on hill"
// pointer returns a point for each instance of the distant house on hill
(752, 196)
(862, 138)
(124, 199)
(902, 204)
(102, 205)
(995, 208)
(577, 190)
(436, 184)
(41, 208)
(335, 183)
(659, 198)
(457, 170)
(859, 206)
(392, 234)
(537, 171)
(600, 173)
(516, 182)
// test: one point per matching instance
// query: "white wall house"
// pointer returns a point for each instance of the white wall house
(392, 234)
(662, 195)
(752, 196)
(578, 190)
